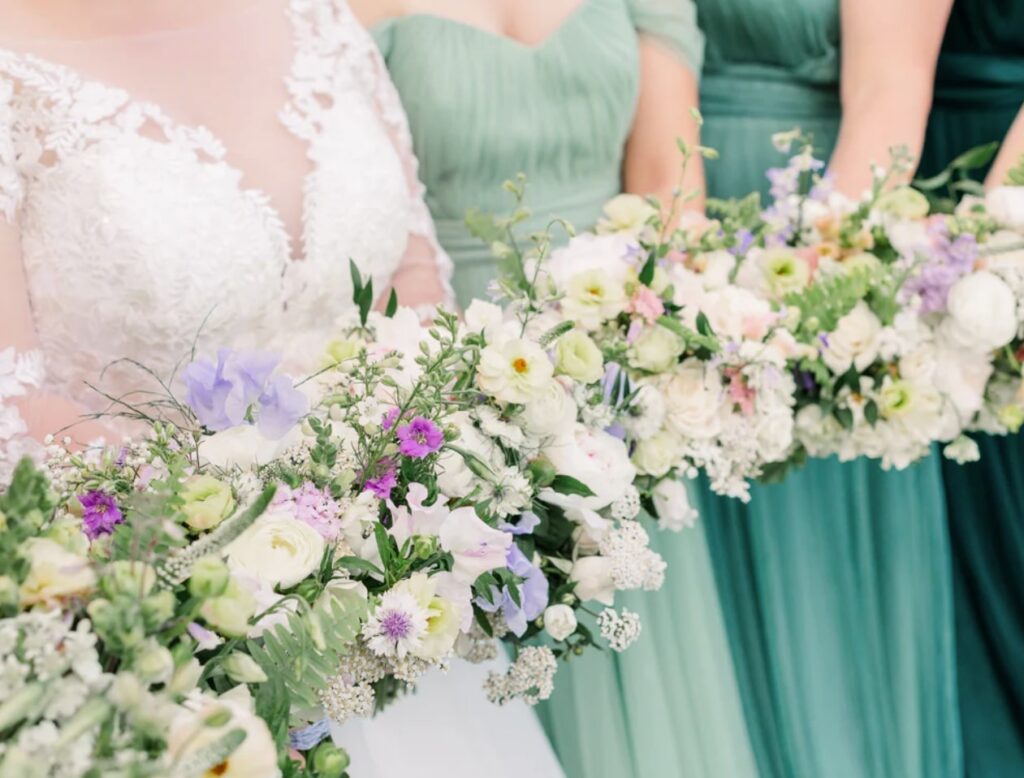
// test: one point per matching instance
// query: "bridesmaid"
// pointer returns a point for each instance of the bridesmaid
(836, 584)
(584, 97)
(979, 88)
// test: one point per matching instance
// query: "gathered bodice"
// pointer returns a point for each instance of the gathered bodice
(139, 235)
(484, 108)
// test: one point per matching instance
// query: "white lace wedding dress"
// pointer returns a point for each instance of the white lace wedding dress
(139, 228)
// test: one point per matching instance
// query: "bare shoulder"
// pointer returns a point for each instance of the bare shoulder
(371, 12)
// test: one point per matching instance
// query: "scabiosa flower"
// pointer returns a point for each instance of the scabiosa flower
(100, 514)
(419, 438)
(397, 626)
(384, 480)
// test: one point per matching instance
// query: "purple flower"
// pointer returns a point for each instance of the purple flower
(384, 481)
(222, 395)
(746, 239)
(533, 593)
(527, 524)
(419, 438)
(389, 419)
(100, 514)
(311, 506)
(944, 263)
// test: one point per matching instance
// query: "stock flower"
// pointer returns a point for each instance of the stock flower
(100, 514)
(646, 304)
(54, 573)
(207, 502)
(515, 371)
(277, 549)
(577, 356)
(474, 546)
(419, 438)
(312, 506)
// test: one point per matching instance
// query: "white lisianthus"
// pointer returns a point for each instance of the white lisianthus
(903, 202)
(626, 213)
(577, 356)
(657, 454)
(672, 502)
(982, 312)
(54, 573)
(593, 578)
(208, 501)
(559, 621)
(277, 549)
(774, 272)
(715, 268)
(475, 547)
(854, 342)
(255, 757)
(244, 447)
(735, 314)
(595, 458)
(1006, 205)
(656, 349)
(693, 400)
(552, 412)
(515, 371)
(593, 297)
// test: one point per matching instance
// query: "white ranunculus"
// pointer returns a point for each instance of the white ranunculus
(277, 549)
(693, 400)
(54, 573)
(485, 317)
(559, 621)
(593, 578)
(657, 454)
(515, 371)
(854, 342)
(577, 356)
(586, 252)
(551, 413)
(1006, 206)
(475, 547)
(982, 312)
(255, 757)
(672, 502)
(595, 458)
(962, 375)
(244, 447)
(656, 349)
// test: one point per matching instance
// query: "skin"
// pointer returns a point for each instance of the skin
(1009, 154)
(667, 88)
(890, 50)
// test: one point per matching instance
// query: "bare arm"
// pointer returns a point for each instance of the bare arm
(1010, 153)
(668, 91)
(889, 54)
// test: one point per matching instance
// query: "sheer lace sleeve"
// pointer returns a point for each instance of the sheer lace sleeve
(673, 23)
(424, 277)
(11, 187)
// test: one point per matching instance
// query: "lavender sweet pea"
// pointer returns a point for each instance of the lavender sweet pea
(533, 594)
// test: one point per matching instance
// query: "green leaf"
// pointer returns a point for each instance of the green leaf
(935, 182)
(704, 326)
(871, 412)
(357, 281)
(845, 418)
(385, 545)
(647, 272)
(977, 157)
(566, 484)
(356, 564)
(484, 226)
(365, 302)
(392, 308)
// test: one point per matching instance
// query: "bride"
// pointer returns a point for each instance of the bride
(170, 168)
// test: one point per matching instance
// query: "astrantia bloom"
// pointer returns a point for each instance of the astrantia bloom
(100, 514)
(397, 626)
(419, 438)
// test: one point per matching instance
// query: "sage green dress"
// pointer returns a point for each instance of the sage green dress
(979, 89)
(836, 584)
(483, 108)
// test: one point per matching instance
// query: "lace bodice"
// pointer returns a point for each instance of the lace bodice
(137, 234)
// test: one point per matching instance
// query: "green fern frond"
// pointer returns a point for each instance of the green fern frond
(824, 304)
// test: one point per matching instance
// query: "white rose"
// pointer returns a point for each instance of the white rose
(593, 578)
(515, 371)
(920, 364)
(552, 412)
(672, 502)
(54, 573)
(595, 458)
(962, 375)
(982, 312)
(577, 356)
(693, 399)
(475, 547)
(559, 621)
(656, 350)
(593, 297)
(854, 342)
(774, 433)
(1006, 206)
(657, 454)
(277, 549)
(255, 757)
(244, 447)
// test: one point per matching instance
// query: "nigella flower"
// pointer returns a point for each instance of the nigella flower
(419, 438)
(384, 480)
(533, 593)
(100, 514)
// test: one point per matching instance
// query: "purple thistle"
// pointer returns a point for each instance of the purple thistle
(100, 514)
(419, 438)
(385, 480)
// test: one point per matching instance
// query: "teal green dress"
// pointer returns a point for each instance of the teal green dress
(483, 108)
(836, 584)
(978, 91)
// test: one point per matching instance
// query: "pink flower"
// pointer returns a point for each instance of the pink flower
(646, 303)
(311, 506)
(740, 392)
(419, 438)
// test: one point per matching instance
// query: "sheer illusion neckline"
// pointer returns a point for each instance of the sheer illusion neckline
(205, 145)
(562, 28)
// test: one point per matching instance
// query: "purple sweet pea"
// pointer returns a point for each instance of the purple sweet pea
(100, 514)
(280, 407)
(533, 593)
(419, 438)
(527, 524)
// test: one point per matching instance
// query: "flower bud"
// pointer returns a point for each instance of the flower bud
(153, 663)
(209, 578)
(229, 613)
(329, 761)
(542, 472)
(424, 546)
(158, 608)
(185, 677)
(559, 621)
(208, 502)
(242, 668)
(134, 579)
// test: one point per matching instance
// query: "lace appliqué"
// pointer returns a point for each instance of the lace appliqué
(19, 374)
